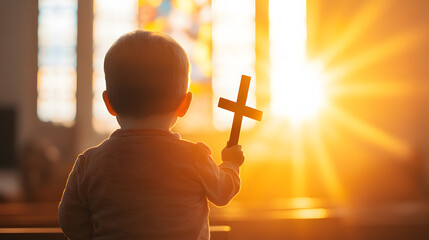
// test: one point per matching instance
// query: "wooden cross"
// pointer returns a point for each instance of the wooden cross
(240, 110)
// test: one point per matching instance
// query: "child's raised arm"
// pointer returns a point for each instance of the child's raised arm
(222, 182)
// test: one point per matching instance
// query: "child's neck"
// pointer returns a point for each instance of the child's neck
(158, 121)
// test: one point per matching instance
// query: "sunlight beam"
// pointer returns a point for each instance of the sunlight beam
(323, 160)
(361, 21)
(371, 133)
(298, 187)
(381, 51)
(388, 88)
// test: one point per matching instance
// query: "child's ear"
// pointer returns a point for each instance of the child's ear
(107, 103)
(184, 105)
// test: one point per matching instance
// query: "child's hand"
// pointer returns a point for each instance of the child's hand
(233, 154)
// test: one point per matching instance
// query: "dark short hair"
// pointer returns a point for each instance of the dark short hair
(146, 73)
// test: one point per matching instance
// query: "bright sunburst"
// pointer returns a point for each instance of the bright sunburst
(300, 89)
(302, 95)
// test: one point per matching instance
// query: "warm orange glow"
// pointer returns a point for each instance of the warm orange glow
(302, 202)
(298, 187)
(362, 20)
(370, 133)
(325, 165)
(388, 88)
(309, 93)
(312, 213)
(374, 54)
(220, 228)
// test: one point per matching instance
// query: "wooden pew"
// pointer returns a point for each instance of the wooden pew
(32, 233)
(19, 221)
(55, 233)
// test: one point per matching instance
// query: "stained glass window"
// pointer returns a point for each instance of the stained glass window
(56, 77)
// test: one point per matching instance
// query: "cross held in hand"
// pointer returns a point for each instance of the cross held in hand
(240, 110)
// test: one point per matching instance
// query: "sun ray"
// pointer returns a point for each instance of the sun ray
(298, 167)
(313, 23)
(361, 21)
(323, 160)
(384, 88)
(378, 52)
(371, 133)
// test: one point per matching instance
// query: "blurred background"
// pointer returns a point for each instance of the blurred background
(342, 151)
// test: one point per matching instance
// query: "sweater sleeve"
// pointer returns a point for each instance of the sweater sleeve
(73, 214)
(221, 183)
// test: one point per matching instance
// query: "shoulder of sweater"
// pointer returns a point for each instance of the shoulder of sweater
(200, 147)
(90, 152)
(203, 147)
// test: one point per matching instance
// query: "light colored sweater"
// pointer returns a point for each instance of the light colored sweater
(145, 184)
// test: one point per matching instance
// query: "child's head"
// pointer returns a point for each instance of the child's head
(146, 73)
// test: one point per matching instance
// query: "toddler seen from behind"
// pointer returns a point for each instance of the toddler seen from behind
(144, 181)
